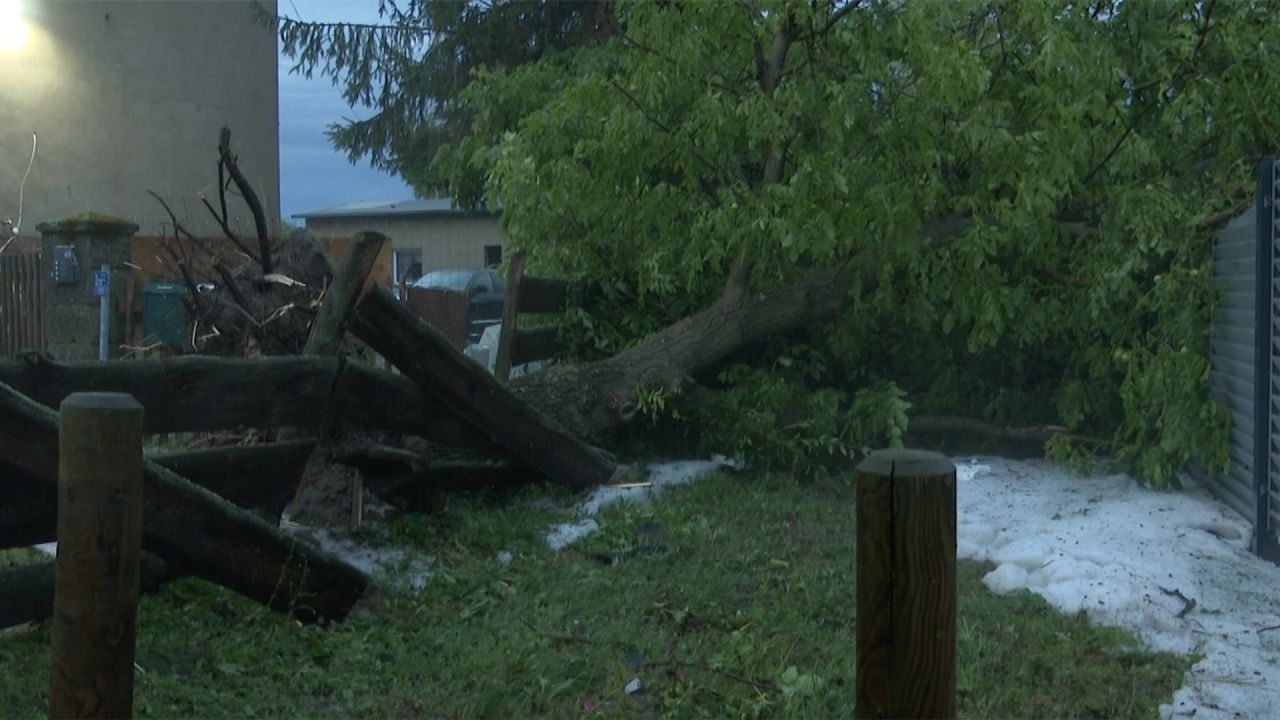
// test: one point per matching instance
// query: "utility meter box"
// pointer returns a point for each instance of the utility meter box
(66, 266)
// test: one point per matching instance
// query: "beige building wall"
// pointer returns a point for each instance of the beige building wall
(126, 97)
(446, 241)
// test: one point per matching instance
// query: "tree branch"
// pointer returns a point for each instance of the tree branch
(250, 199)
(227, 230)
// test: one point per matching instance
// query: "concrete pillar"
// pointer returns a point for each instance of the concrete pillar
(71, 309)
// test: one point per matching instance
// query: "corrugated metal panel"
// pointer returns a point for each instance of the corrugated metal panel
(1267, 232)
(1232, 354)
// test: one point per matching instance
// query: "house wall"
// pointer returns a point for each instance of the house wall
(130, 96)
(446, 241)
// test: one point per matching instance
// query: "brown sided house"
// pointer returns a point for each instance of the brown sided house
(430, 233)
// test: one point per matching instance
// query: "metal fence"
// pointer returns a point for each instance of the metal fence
(1244, 360)
(20, 324)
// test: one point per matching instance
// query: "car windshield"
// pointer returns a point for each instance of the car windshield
(447, 279)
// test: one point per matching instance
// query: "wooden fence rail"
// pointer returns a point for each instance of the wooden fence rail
(20, 324)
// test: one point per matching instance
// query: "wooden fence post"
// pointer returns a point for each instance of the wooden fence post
(906, 586)
(99, 541)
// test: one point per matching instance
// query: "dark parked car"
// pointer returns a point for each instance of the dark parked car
(484, 290)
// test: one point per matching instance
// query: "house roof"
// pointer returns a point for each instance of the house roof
(382, 208)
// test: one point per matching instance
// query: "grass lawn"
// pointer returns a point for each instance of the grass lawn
(733, 596)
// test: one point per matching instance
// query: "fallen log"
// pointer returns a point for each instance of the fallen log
(194, 528)
(26, 591)
(260, 478)
(255, 477)
(394, 473)
(474, 395)
(28, 512)
(202, 394)
(961, 435)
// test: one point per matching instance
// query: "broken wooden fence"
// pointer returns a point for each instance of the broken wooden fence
(527, 294)
(203, 510)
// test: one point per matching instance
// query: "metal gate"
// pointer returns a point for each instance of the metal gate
(1244, 356)
(21, 327)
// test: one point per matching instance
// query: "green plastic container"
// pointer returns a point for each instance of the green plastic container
(164, 315)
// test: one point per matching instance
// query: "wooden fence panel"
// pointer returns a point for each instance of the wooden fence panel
(20, 304)
(445, 310)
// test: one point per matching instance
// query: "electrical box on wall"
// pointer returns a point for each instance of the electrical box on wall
(66, 266)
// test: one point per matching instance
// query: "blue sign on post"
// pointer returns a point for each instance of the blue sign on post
(100, 282)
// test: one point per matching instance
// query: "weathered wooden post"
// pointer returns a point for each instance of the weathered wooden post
(99, 541)
(906, 579)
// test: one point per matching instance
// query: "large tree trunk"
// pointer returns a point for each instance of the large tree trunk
(596, 398)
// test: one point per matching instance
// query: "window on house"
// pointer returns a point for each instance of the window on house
(406, 266)
(492, 255)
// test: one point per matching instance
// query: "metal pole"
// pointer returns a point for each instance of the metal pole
(104, 316)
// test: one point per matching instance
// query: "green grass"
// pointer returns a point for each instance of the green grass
(730, 597)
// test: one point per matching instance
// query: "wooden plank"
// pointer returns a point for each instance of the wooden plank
(445, 310)
(8, 304)
(260, 478)
(29, 511)
(471, 393)
(349, 283)
(193, 527)
(26, 591)
(541, 343)
(95, 603)
(202, 394)
(542, 295)
(510, 314)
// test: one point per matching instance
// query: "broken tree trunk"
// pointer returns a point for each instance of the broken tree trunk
(255, 477)
(195, 528)
(469, 391)
(594, 399)
(200, 394)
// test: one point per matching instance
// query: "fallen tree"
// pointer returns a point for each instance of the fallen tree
(697, 160)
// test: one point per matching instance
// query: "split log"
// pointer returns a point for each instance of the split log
(201, 394)
(474, 395)
(191, 526)
(26, 591)
(255, 477)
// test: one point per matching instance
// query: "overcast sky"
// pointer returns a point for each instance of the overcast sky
(312, 174)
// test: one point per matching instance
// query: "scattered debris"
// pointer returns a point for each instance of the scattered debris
(633, 687)
(661, 476)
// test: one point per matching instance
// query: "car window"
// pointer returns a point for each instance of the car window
(447, 279)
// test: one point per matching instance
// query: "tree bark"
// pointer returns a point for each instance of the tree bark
(594, 399)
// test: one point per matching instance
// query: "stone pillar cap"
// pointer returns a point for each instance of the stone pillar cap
(93, 223)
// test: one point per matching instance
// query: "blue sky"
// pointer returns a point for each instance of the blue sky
(312, 174)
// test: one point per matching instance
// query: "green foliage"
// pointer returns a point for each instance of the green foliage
(1027, 183)
(781, 417)
(730, 597)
